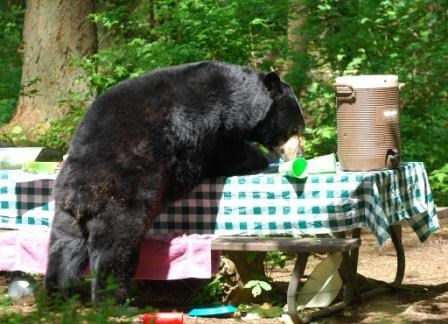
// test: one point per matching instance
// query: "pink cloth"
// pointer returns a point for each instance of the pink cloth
(165, 257)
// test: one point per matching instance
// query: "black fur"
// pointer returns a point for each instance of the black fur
(147, 141)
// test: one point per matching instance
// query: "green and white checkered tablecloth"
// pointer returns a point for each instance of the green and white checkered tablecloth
(26, 199)
(265, 203)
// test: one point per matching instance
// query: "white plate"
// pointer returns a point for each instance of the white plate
(15, 157)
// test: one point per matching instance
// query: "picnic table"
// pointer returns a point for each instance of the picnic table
(265, 203)
(262, 203)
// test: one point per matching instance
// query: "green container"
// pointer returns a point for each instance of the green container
(41, 167)
(301, 168)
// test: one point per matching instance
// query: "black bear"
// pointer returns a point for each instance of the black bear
(147, 141)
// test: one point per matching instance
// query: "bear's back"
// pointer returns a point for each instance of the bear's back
(187, 98)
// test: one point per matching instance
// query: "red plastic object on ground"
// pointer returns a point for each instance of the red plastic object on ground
(163, 318)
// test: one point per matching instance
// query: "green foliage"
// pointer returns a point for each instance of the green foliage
(61, 131)
(16, 137)
(210, 292)
(439, 184)
(242, 32)
(275, 259)
(263, 311)
(320, 140)
(59, 310)
(258, 287)
(7, 107)
(5, 301)
(11, 24)
(175, 33)
(213, 291)
(336, 38)
(377, 37)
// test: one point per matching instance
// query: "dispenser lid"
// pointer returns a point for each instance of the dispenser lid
(369, 81)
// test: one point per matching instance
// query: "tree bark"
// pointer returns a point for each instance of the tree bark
(296, 40)
(236, 272)
(55, 32)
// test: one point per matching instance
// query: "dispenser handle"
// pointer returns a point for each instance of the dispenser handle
(344, 91)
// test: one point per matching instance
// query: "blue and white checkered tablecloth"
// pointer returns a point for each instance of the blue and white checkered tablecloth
(263, 203)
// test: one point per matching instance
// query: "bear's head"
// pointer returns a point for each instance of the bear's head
(284, 118)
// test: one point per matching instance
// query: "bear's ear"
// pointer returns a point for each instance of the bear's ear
(272, 82)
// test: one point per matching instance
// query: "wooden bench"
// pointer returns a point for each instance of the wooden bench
(302, 247)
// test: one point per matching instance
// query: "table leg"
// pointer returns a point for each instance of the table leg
(396, 236)
(399, 250)
(350, 268)
(399, 275)
(350, 280)
(297, 274)
(354, 254)
(350, 289)
(350, 292)
(356, 233)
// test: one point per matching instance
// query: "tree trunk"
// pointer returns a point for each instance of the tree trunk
(296, 41)
(55, 32)
(236, 271)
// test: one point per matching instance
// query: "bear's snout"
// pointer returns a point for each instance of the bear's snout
(291, 149)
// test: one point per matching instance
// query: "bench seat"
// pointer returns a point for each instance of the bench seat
(284, 244)
(302, 247)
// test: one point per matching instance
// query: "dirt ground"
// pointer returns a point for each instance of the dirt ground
(422, 299)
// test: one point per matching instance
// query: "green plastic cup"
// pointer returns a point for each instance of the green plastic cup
(301, 168)
(294, 168)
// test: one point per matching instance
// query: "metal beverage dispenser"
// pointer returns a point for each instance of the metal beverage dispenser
(368, 129)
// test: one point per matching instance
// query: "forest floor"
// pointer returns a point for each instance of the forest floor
(422, 299)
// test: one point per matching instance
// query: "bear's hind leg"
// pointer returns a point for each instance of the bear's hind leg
(114, 243)
(67, 256)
